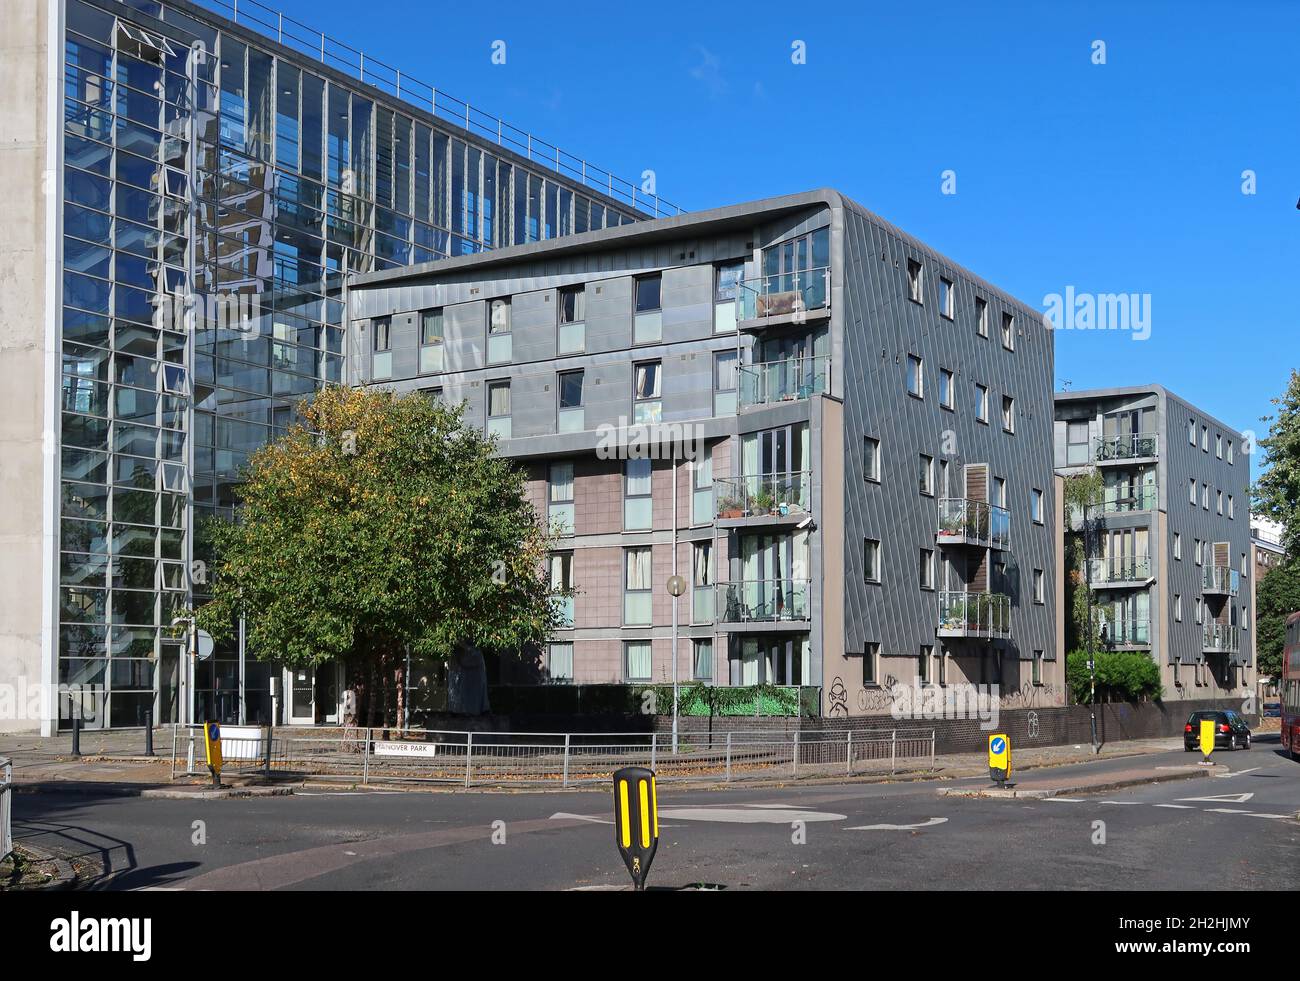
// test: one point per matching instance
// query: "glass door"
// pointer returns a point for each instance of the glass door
(302, 696)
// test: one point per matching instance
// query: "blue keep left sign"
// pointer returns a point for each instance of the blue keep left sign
(998, 745)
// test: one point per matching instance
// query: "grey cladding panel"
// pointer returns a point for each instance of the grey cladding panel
(609, 315)
(465, 333)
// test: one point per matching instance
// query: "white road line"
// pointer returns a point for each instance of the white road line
(900, 827)
(1220, 799)
(562, 816)
(1227, 810)
(737, 815)
(1127, 803)
(1181, 807)
(1271, 817)
(1237, 773)
(1066, 800)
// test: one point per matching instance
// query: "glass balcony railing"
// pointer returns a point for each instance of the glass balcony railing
(784, 381)
(1220, 579)
(966, 614)
(1119, 500)
(1119, 568)
(784, 294)
(1131, 446)
(1221, 638)
(762, 494)
(966, 522)
(1126, 632)
(764, 600)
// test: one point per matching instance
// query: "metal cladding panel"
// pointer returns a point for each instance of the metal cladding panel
(465, 335)
(533, 324)
(881, 326)
(609, 315)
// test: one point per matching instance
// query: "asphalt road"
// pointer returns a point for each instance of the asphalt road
(876, 836)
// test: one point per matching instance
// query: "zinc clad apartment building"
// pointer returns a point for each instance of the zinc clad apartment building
(1169, 557)
(837, 437)
(169, 166)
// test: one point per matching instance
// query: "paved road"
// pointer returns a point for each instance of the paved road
(894, 836)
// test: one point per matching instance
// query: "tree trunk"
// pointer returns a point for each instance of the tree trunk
(371, 693)
(400, 675)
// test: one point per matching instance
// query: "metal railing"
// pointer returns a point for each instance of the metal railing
(967, 614)
(770, 600)
(1119, 568)
(6, 808)
(1221, 638)
(352, 61)
(760, 494)
(974, 523)
(1115, 500)
(470, 759)
(784, 294)
(1131, 446)
(784, 380)
(1126, 632)
(1220, 579)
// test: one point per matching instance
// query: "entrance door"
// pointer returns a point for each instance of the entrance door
(327, 694)
(302, 696)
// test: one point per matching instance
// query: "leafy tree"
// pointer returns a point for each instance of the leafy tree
(1082, 490)
(1277, 492)
(1122, 676)
(381, 522)
(1277, 596)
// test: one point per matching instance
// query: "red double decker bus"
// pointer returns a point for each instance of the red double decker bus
(1291, 687)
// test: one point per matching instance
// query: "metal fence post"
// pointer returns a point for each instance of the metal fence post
(932, 739)
(270, 735)
(565, 780)
(728, 757)
(654, 747)
(794, 768)
(469, 753)
(174, 731)
(365, 759)
(893, 750)
(848, 753)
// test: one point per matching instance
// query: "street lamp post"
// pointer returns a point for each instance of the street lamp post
(1092, 661)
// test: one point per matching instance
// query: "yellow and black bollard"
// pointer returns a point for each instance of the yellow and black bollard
(636, 820)
(212, 744)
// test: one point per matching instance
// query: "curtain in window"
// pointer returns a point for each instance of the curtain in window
(638, 568)
(647, 380)
(561, 661)
(638, 659)
(703, 469)
(728, 377)
(431, 327)
(562, 482)
(559, 571)
(703, 666)
(499, 400)
(500, 319)
(702, 564)
(638, 478)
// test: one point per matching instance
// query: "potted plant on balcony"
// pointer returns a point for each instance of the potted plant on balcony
(764, 502)
(730, 507)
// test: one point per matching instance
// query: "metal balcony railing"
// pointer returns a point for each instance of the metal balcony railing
(762, 494)
(784, 294)
(1131, 446)
(1126, 632)
(1221, 638)
(1119, 568)
(783, 381)
(769, 600)
(963, 521)
(1121, 500)
(1220, 579)
(967, 614)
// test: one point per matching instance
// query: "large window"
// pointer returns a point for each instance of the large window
(560, 498)
(871, 560)
(647, 324)
(726, 277)
(646, 404)
(638, 586)
(572, 312)
(637, 660)
(498, 409)
(982, 403)
(382, 365)
(500, 347)
(431, 341)
(915, 282)
(702, 659)
(871, 459)
(915, 377)
(561, 576)
(702, 582)
(726, 382)
(638, 505)
(572, 417)
(1077, 451)
(559, 663)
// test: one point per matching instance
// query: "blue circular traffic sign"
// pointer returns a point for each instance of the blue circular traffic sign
(998, 745)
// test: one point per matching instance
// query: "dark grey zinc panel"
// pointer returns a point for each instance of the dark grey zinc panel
(687, 303)
(465, 333)
(609, 315)
(688, 385)
(881, 328)
(532, 321)
(607, 394)
(405, 341)
(532, 403)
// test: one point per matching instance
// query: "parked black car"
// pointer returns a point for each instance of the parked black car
(1230, 730)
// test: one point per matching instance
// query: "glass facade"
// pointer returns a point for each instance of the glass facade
(236, 188)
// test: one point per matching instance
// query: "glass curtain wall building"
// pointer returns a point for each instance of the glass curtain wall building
(234, 186)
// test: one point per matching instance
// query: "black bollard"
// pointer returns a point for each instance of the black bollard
(148, 731)
(76, 734)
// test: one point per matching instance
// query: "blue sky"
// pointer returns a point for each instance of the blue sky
(1117, 178)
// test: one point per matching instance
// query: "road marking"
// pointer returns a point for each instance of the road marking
(900, 827)
(1066, 800)
(1227, 810)
(739, 815)
(1271, 817)
(1221, 798)
(1181, 807)
(1125, 803)
(1237, 773)
(562, 816)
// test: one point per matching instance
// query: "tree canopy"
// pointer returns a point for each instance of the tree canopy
(1277, 491)
(1277, 595)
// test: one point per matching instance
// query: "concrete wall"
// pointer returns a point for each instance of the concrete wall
(26, 350)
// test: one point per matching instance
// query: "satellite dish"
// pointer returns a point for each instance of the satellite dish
(203, 647)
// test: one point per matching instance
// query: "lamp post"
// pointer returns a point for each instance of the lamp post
(676, 586)
(1092, 661)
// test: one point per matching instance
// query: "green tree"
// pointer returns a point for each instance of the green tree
(1082, 491)
(1122, 676)
(1276, 493)
(1277, 596)
(380, 522)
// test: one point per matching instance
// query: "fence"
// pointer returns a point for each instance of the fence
(6, 799)
(556, 759)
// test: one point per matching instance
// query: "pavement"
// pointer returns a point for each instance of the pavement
(1230, 827)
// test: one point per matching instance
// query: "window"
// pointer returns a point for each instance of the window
(571, 309)
(1218, 445)
(1197, 549)
(561, 575)
(1036, 506)
(982, 403)
(1218, 502)
(941, 667)
(945, 297)
(1008, 332)
(871, 560)
(915, 377)
(559, 662)
(571, 415)
(647, 324)
(927, 568)
(981, 316)
(1000, 491)
(923, 664)
(1178, 607)
(1039, 588)
(1197, 607)
(871, 459)
(638, 505)
(559, 480)
(499, 347)
(870, 657)
(945, 389)
(1191, 490)
(431, 359)
(1191, 431)
(914, 283)
(637, 585)
(382, 363)
(1230, 452)
(1205, 496)
(702, 582)
(1077, 451)
(637, 660)
(1231, 510)
(1205, 439)
(702, 659)
(726, 382)
(1008, 414)
(726, 283)
(1178, 545)
(498, 409)
(927, 475)
(646, 404)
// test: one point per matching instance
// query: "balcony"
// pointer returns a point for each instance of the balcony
(967, 522)
(1119, 570)
(763, 498)
(763, 601)
(789, 380)
(1126, 500)
(785, 298)
(965, 614)
(1126, 632)
(1130, 448)
(1220, 638)
(1220, 580)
